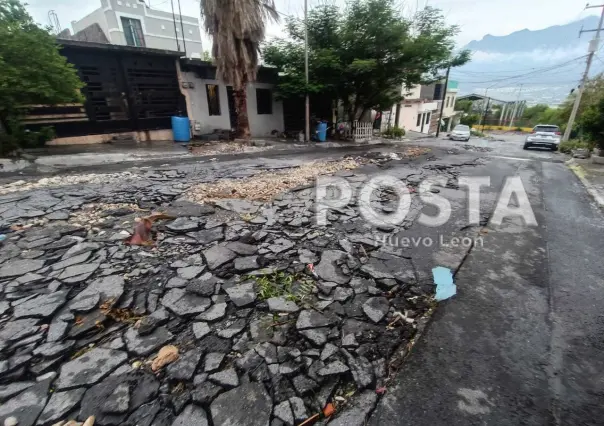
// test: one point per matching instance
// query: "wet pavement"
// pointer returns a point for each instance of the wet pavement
(225, 308)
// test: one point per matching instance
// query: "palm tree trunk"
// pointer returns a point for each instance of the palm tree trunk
(242, 130)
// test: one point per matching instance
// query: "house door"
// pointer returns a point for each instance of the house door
(232, 108)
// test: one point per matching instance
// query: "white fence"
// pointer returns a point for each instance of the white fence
(360, 132)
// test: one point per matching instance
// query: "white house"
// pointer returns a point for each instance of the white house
(417, 110)
(133, 23)
(211, 106)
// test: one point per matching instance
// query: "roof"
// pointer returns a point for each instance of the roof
(207, 70)
(476, 97)
(87, 45)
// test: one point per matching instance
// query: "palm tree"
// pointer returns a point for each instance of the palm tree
(237, 28)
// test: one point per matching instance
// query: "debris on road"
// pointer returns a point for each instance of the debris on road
(445, 288)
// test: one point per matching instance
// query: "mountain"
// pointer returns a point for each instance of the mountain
(548, 63)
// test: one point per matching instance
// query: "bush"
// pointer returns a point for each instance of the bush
(394, 132)
(568, 146)
(16, 138)
(519, 129)
(477, 133)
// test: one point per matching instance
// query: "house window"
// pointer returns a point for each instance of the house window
(213, 99)
(133, 31)
(419, 120)
(264, 101)
(427, 118)
(447, 103)
(452, 100)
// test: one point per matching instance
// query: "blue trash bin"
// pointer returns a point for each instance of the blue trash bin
(322, 131)
(181, 129)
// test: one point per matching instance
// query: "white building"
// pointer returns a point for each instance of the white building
(416, 111)
(132, 23)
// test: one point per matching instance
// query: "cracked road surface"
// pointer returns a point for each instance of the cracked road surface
(522, 342)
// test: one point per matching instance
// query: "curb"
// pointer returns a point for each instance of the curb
(580, 173)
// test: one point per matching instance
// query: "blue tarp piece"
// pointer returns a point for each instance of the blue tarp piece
(443, 278)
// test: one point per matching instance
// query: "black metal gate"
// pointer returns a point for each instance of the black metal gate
(126, 89)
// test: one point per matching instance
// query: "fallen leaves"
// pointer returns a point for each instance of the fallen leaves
(264, 186)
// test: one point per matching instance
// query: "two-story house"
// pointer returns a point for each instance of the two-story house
(133, 23)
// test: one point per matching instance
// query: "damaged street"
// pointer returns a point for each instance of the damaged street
(206, 293)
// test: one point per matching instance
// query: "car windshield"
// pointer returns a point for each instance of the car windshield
(550, 129)
(462, 128)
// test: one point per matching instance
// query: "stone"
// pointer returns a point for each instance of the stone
(190, 272)
(328, 269)
(41, 306)
(145, 414)
(145, 345)
(185, 208)
(204, 286)
(213, 361)
(185, 367)
(78, 273)
(304, 385)
(283, 412)
(85, 303)
(317, 336)
(248, 405)
(241, 294)
(268, 351)
(80, 248)
(216, 312)
(359, 285)
(313, 319)
(183, 225)
(226, 378)
(4, 307)
(215, 344)
(11, 421)
(232, 330)
(361, 369)
(192, 415)
(12, 389)
(205, 393)
(238, 205)
(376, 308)
(298, 409)
(328, 351)
(357, 411)
(342, 294)
(208, 236)
(58, 215)
(280, 245)
(200, 330)
(389, 266)
(89, 368)
(333, 368)
(244, 264)
(349, 341)
(217, 256)
(70, 261)
(26, 406)
(151, 322)
(281, 304)
(109, 288)
(242, 248)
(52, 349)
(15, 268)
(182, 303)
(118, 401)
(18, 329)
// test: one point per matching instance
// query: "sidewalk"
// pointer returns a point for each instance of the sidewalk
(592, 177)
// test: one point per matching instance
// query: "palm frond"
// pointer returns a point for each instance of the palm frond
(237, 28)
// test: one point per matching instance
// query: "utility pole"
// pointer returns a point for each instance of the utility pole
(442, 103)
(307, 106)
(593, 46)
(515, 107)
(175, 32)
(182, 29)
(486, 111)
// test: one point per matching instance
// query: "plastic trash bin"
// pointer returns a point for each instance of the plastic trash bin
(322, 132)
(181, 129)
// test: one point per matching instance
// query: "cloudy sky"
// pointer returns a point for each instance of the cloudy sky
(476, 18)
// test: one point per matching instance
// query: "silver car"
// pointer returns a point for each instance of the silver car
(544, 135)
(461, 132)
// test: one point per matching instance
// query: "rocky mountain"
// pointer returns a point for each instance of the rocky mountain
(548, 63)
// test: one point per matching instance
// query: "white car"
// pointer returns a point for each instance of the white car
(461, 132)
(544, 135)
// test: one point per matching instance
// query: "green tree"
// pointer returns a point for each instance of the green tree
(363, 55)
(237, 28)
(32, 71)
(463, 105)
(592, 122)
(470, 119)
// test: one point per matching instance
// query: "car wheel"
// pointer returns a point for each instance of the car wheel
(467, 140)
(526, 146)
(554, 148)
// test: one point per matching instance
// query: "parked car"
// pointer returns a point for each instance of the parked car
(460, 132)
(544, 135)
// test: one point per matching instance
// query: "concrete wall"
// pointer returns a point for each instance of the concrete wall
(452, 96)
(96, 17)
(261, 125)
(411, 110)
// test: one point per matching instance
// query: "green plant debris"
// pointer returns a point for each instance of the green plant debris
(294, 287)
